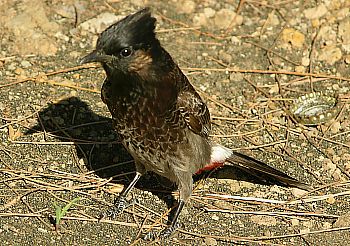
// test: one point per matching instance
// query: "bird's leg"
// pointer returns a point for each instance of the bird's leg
(185, 184)
(173, 225)
(120, 203)
(170, 229)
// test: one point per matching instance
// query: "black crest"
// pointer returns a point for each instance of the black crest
(134, 30)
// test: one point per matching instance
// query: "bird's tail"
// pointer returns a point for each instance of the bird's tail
(255, 167)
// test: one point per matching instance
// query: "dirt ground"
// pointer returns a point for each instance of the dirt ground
(248, 59)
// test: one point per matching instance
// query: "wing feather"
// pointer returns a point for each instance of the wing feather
(194, 112)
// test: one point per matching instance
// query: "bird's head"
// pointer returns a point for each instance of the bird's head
(127, 46)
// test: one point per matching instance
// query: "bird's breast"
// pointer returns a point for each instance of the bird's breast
(142, 124)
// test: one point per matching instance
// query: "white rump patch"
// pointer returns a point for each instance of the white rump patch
(219, 153)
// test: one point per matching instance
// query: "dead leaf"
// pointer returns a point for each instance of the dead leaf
(13, 134)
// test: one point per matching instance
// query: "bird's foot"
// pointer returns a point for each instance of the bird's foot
(164, 234)
(119, 205)
(168, 231)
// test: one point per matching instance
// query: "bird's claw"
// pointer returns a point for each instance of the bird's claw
(167, 232)
(164, 234)
(119, 205)
(149, 236)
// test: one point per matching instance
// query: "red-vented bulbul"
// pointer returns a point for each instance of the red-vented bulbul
(160, 118)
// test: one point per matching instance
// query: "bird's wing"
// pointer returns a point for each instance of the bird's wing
(194, 112)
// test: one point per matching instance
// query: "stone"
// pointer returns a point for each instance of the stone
(225, 17)
(328, 166)
(33, 31)
(298, 192)
(272, 19)
(200, 20)
(344, 31)
(316, 12)
(343, 221)
(210, 241)
(330, 54)
(209, 12)
(185, 6)
(225, 57)
(305, 61)
(264, 220)
(100, 22)
(293, 37)
(25, 64)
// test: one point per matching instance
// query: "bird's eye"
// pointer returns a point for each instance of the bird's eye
(126, 52)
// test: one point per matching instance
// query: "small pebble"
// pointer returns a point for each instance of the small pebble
(25, 64)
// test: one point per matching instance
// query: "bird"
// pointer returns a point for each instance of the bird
(159, 116)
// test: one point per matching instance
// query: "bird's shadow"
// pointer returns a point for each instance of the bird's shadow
(97, 144)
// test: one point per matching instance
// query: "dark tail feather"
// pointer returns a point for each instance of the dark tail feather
(263, 171)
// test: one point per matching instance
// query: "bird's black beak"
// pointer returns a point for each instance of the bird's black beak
(95, 56)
